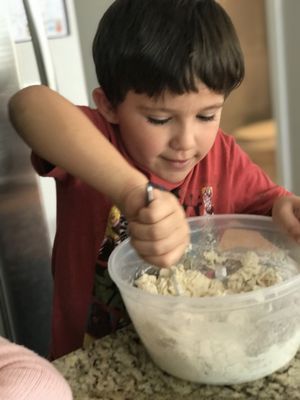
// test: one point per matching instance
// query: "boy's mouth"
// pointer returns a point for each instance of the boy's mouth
(178, 163)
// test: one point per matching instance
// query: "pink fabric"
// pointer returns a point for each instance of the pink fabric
(236, 185)
(26, 376)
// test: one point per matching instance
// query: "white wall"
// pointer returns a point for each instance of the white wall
(88, 16)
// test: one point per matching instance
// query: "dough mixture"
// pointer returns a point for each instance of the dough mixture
(251, 272)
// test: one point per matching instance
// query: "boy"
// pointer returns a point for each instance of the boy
(165, 68)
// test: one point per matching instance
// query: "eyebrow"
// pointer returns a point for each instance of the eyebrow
(213, 106)
(165, 109)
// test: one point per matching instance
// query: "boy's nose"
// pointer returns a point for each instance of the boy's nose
(183, 138)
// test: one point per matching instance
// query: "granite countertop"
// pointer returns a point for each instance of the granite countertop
(117, 367)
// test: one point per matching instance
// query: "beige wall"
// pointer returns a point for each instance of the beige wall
(251, 101)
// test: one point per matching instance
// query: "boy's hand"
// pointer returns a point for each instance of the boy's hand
(286, 213)
(159, 231)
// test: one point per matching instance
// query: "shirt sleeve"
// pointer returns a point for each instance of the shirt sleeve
(26, 376)
(44, 168)
(252, 190)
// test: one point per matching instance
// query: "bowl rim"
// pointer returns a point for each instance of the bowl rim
(228, 301)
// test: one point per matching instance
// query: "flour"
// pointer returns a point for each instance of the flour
(224, 345)
(220, 348)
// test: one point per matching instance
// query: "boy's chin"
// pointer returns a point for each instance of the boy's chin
(173, 178)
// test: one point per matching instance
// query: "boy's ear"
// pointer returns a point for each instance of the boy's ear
(104, 106)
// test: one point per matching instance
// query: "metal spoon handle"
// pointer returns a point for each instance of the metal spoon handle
(149, 193)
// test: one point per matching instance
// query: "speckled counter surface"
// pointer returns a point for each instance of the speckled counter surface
(117, 367)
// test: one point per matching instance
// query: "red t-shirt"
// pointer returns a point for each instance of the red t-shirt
(225, 181)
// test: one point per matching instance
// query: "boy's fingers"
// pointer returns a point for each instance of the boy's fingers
(165, 204)
(168, 259)
(156, 226)
(177, 237)
(286, 214)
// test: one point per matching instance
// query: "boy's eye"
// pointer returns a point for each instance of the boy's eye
(206, 118)
(158, 121)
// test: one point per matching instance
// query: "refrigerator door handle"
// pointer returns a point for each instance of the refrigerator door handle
(40, 44)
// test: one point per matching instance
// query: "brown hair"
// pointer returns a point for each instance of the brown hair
(150, 46)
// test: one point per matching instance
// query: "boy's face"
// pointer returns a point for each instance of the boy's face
(169, 135)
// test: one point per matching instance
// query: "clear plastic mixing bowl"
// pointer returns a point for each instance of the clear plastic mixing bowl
(223, 339)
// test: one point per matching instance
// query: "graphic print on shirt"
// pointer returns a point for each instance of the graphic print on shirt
(207, 194)
(198, 202)
(192, 202)
(107, 311)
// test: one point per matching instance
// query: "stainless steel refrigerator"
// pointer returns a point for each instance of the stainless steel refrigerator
(27, 203)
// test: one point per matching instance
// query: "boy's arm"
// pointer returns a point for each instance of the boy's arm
(61, 134)
(55, 130)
